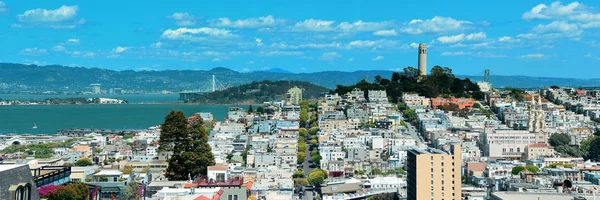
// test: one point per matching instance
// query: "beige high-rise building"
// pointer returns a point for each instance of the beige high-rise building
(434, 174)
(422, 59)
(294, 95)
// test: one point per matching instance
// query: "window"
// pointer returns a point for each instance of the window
(229, 197)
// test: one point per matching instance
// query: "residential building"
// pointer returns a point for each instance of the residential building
(533, 151)
(434, 174)
(461, 102)
(294, 95)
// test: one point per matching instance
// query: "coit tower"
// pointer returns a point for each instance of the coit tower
(422, 59)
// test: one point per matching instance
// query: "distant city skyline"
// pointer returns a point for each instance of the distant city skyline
(531, 38)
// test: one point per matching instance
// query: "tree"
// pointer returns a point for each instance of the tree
(260, 110)
(303, 118)
(557, 139)
(127, 169)
(302, 132)
(300, 182)
(314, 153)
(316, 176)
(594, 150)
(313, 131)
(132, 191)
(313, 142)
(189, 143)
(376, 171)
(532, 168)
(229, 156)
(301, 156)
(298, 174)
(316, 158)
(84, 162)
(384, 196)
(410, 115)
(517, 169)
(361, 172)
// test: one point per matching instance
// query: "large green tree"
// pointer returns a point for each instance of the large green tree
(558, 139)
(594, 150)
(189, 143)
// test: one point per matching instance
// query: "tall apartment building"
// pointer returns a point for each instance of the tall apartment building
(294, 95)
(434, 174)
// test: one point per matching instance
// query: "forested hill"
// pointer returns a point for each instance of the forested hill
(56, 78)
(441, 82)
(258, 92)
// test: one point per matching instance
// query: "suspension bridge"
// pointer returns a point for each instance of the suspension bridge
(191, 94)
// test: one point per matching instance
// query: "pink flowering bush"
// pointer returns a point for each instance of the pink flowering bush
(47, 189)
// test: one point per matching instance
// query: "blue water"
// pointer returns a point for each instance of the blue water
(50, 118)
(131, 98)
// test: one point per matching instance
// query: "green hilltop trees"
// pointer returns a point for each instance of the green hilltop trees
(441, 81)
(189, 144)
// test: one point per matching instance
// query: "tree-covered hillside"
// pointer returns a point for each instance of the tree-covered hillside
(258, 92)
(440, 82)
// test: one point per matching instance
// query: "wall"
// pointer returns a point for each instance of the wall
(14, 176)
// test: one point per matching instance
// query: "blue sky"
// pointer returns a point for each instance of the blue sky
(534, 38)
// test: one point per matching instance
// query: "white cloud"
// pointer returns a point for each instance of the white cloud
(573, 11)
(246, 70)
(216, 59)
(350, 59)
(329, 56)
(435, 25)
(156, 45)
(461, 37)
(190, 34)
(251, 62)
(362, 26)
(475, 54)
(83, 54)
(58, 48)
(556, 27)
(591, 25)
(183, 19)
(414, 45)
(266, 21)
(33, 52)
(385, 33)
(362, 43)
(451, 39)
(119, 49)
(508, 39)
(314, 25)
(89, 54)
(258, 41)
(378, 58)
(302, 69)
(280, 53)
(458, 45)
(533, 56)
(73, 41)
(2, 7)
(64, 17)
(476, 36)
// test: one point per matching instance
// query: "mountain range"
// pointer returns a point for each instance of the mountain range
(19, 77)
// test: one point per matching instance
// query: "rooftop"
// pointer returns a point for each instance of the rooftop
(530, 196)
(9, 167)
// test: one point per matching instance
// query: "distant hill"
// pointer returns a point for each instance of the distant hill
(19, 77)
(258, 92)
(278, 70)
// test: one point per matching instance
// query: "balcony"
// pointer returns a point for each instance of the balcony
(55, 175)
